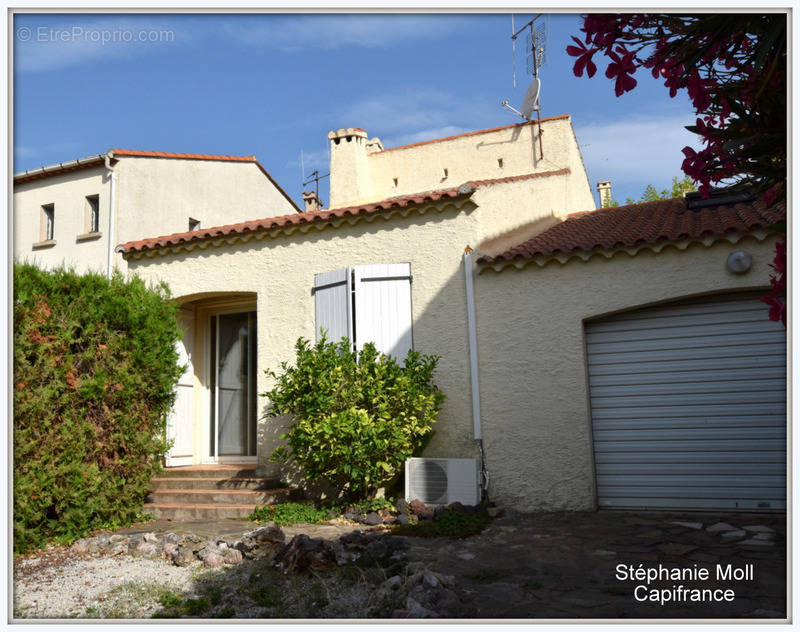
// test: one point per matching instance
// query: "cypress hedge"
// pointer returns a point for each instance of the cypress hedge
(95, 366)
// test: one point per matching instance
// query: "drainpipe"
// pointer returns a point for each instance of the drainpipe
(112, 175)
(473, 370)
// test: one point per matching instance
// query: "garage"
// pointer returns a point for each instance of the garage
(688, 406)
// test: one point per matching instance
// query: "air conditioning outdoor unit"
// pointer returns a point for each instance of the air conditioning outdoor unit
(442, 481)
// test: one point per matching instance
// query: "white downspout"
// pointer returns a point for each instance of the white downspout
(112, 175)
(473, 367)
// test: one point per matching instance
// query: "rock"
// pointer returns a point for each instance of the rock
(119, 548)
(394, 582)
(430, 580)
(169, 551)
(184, 558)
(733, 536)
(689, 525)
(303, 554)
(756, 545)
(421, 510)
(466, 555)
(719, 527)
(403, 518)
(150, 537)
(764, 536)
(350, 515)
(372, 518)
(265, 541)
(342, 554)
(80, 547)
(171, 537)
(212, 559)
(758, 528)
(418, 611)
(117, 537)
(402, 506)
(511, 513)
(232, 556)
(673, 548)
(147, 550)
(494, 512)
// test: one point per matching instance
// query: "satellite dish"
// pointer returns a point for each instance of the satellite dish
(531, 100)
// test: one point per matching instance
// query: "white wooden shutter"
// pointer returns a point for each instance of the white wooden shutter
(383, 307)
(332, 303)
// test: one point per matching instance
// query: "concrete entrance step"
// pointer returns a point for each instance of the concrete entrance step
(203, 482)
(221, 496)
(197, 512)
(212, 492)
(210, 471)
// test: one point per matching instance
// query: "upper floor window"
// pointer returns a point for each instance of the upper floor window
(47, 230)
(92, 221)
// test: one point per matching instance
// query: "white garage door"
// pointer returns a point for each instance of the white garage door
(688, 405)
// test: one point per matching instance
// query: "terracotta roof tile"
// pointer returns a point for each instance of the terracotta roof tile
(167, 154)
(647, 223)
(295, 219)
(480, 131)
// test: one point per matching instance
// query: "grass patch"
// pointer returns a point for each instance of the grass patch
(450, 524)
(195, 607)
(286, 514)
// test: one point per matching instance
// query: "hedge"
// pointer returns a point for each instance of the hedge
(95, 366)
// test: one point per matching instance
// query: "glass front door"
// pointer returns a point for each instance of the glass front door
(233, 385)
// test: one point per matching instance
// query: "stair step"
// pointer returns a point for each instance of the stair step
(201, 482)
(197, 511)
(209, 471)
(221, 496)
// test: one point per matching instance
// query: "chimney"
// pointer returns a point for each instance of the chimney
(312, 202)
(604, 190)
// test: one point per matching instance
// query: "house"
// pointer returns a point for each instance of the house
(384, 263)
(606, 358)
(76, 212)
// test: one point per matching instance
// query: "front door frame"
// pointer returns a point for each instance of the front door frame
(203, 418)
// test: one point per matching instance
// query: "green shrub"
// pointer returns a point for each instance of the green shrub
(355, 417)
(94, 371)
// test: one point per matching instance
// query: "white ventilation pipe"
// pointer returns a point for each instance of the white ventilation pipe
(473, 366)
(112, 175)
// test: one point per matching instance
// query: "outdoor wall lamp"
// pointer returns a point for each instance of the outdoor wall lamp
(739, 261)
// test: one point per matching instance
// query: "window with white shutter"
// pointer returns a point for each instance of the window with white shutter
(367, 304)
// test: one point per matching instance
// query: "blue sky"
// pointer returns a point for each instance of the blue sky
(274, 84)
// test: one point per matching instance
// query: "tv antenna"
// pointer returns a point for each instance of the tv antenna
(313, 176)
(536, 35)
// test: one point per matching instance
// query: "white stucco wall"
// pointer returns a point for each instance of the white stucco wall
(153, 197)
(467, 157)
(280, 271)
(534, 394)
(158, 195)
(68, 193)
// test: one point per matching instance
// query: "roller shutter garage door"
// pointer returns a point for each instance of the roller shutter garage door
(688, 405)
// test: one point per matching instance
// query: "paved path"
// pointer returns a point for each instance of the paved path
(563, 565)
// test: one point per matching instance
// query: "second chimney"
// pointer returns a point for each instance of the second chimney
(312, 202)
(604, 189)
